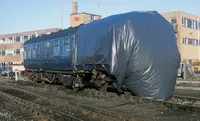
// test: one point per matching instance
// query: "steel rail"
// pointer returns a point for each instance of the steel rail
(80, 110)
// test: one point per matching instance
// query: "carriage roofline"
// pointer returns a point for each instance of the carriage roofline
(53, 35)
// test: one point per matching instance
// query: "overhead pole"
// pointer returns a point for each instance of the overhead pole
(198, 26)
(98, 7)
(62, 14)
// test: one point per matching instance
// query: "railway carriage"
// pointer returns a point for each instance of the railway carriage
(50, 54)
(125, 51)
(49, 58)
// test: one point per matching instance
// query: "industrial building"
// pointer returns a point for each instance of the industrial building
(81, 18)
(11, 47)
(187, 28)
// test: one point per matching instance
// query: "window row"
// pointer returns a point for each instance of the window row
(48, 49)
(8, 52)
(16, 39)
(55, 43)
(191, 41)
(188, 23)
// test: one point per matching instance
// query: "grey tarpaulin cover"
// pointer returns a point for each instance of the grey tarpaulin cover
(140, 48)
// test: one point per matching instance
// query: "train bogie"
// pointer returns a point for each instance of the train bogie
(77, 80)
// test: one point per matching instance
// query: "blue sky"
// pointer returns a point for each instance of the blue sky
(27, 15)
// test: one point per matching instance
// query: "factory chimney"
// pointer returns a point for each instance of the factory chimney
(74, 7)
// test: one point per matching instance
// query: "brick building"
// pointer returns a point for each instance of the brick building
(81, 18)
(187, 27)
(11, 46)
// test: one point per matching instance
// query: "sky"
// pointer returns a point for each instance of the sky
(28, 15)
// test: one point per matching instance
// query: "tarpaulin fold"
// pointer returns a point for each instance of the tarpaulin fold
(139, 47)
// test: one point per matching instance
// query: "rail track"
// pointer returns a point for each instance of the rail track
(41, 112)
(177, 102)
(194, 102)
(49, 109)
(180, 102)
(25, 105)
(89, 112)
(185, 103)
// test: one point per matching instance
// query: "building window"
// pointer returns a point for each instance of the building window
(14, 39)
(189, 23)
(3, 53)
(33, 36)
(173, 20)
(197, 42)
(17, 51)
(9, 52)
(191, 41)
(4, 39)
(0, 53)
(91, 17)
(184, 20)
(194, 24)
(17, 39)
(25, 38)
(10, 39)
(199, 25)
(184, 41)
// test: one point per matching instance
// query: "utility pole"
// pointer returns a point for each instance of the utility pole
(62, 14)
(98, 7)
(198, 37)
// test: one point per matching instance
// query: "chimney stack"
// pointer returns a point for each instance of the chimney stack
(74, 7)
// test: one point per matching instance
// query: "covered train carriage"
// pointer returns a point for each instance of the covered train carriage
(136, 50)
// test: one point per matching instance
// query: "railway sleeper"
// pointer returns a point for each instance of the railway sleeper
(35, 109)
(24, 107)
(73, 109)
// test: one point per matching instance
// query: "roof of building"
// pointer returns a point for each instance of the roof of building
(85, 13)
(178, 12)
(42, 31)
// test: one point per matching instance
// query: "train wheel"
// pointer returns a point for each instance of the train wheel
(36, 80)
(77, 83)
(104, 87)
